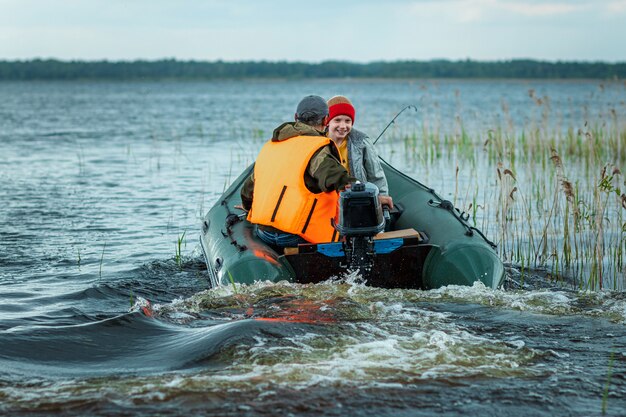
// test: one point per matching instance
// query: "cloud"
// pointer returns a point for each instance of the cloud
(617, 6)
(541, 9)
(473, 10)
(461, 11)
(469, 11)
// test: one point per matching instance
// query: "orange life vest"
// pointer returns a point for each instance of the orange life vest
(281, 198)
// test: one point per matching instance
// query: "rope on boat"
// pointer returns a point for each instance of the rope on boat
(231, 220)
(449, 207)
(457, 214)
(489, 242)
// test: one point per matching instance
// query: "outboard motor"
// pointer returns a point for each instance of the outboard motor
(359, 219)
(394, 261)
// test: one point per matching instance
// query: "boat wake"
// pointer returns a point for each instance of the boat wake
(270, 343)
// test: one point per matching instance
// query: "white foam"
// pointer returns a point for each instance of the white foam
(393, 336)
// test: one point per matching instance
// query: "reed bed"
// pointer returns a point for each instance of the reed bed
(552, 197)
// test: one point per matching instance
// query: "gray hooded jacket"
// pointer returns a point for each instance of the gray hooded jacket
(364, 162)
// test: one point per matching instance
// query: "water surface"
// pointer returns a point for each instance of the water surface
(100, 180)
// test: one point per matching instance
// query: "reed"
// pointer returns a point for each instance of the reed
(178, 257)
(553, 197)
(607, 384)
(232, 282)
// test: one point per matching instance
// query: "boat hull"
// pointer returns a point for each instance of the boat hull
(454, 254)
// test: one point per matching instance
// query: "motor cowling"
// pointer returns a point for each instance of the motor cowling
(359, 218)
(360, 212)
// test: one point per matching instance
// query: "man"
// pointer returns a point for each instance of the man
(292, 193)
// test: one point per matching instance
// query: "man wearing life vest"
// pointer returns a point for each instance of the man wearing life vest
(293, 192)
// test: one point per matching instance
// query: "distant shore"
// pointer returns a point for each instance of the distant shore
(51, 69)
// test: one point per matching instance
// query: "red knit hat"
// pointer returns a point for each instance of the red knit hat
(340, 106)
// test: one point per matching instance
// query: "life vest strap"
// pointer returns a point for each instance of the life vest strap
(280, 199)
(308, 219)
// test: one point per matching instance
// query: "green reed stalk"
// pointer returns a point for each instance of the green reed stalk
(474, 206)
(179, 242)
(609, 374)
(232, 282)
(557, 275)
(456, 185)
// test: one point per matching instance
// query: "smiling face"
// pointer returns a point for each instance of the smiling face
(339, 127)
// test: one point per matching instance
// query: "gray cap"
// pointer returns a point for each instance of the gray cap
(312, 108)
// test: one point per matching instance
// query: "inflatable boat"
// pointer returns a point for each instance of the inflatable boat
(423, 243)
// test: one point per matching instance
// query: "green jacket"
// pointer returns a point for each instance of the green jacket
(324, 172)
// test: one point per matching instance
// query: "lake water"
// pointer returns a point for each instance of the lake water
(98, 182)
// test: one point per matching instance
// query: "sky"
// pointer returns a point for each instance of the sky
(313, 31)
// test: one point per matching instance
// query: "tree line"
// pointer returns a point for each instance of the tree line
(51, 69)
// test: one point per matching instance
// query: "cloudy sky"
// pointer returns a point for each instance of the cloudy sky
(313, 31)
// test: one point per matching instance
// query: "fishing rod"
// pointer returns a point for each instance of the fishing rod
(410, 106)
